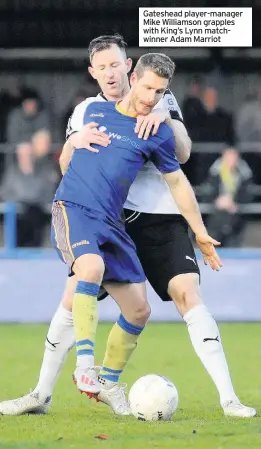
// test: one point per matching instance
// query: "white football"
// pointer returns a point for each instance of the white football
(153, 398)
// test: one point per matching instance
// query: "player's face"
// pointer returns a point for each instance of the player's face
(147, 91)
(110, 68)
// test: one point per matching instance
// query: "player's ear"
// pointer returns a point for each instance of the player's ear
(133, 78)
(92, 72)
(129, 64)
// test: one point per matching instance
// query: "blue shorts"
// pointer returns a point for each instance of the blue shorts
(75, 231)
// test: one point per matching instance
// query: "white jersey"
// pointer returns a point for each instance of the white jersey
(149, 192)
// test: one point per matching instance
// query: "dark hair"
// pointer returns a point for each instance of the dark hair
(29, 94)
(104, 43)
(159, 63)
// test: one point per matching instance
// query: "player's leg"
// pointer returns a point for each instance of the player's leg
(89, 269)
(206, 340)
(74, 237)
(122, 341)
(59, 341)
(124, 280)
(163, 241)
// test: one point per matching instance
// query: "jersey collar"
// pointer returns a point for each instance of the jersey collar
(102, 95)
(123, 112)
(118, 108)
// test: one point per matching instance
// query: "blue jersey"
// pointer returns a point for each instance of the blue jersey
(100, 181)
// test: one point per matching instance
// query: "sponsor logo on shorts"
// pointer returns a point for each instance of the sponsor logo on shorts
(192, 259)
(100, 114)
(82, 242)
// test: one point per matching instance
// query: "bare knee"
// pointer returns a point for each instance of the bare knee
(138, 314)
(185, 292)
(132, 300)
(142, 313)
(89, 268)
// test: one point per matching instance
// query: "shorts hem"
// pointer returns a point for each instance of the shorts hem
(165, 296)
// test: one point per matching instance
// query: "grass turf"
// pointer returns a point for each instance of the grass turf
(74, 421)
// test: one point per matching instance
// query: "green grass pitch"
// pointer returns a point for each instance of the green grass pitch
(74, 421)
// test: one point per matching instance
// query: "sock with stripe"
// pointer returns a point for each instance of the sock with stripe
(85, 318)
(121, 343)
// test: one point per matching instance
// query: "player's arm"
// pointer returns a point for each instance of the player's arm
(163, 156)
(167, 111)
(84, 138)
(79, 135)
(66, 155)
(185, 199)
(183, 141)
(175, 122)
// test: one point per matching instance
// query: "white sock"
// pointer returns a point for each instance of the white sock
(59, 341)
(85, 362)
(201, 327)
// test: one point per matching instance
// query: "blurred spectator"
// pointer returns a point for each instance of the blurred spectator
(42, 145)
(24, 121)
(215, 124)
(10, 98)
(45, 161)
(28, 186)
(193, 108)
(229, 184)
(248, 124)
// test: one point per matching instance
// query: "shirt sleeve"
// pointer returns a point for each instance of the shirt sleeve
(169, 102)
(76, 121)
(164, 158)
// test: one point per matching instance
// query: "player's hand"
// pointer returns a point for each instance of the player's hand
(150, 123)
(89, 135)
(207, 245)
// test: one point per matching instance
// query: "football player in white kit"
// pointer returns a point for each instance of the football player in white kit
(161, 236)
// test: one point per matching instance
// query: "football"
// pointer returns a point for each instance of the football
(153, 398)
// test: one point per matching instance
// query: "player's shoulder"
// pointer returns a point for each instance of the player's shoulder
(164, 132)
(76, 120)
(163, 139)
(81, 107)
(169, 103)
(79, 110)
(100, 106)
(166, 100)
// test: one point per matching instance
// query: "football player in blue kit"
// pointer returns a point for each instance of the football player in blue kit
(160, 233)
(87, 227)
